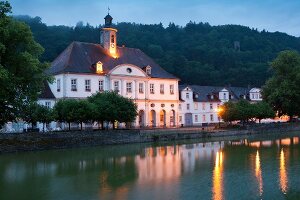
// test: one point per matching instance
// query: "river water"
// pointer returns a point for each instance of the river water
(253, 168)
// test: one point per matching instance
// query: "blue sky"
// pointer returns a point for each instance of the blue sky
(272, 15)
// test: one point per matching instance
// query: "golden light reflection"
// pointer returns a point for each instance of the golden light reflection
(255, 144)
(283, 179)
(258, 173)
(217, 189)
(113, 52)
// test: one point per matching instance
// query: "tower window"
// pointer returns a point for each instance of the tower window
(113, 39)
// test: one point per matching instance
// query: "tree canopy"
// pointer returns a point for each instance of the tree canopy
(197, 53)
(21, 72)
(282, 90)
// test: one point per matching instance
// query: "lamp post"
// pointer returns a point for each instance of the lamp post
(219, 111)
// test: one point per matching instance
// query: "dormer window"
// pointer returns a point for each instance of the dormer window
(148, 70)
(211, 96)
(99, 68)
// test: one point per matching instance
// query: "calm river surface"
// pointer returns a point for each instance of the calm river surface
(238, 169)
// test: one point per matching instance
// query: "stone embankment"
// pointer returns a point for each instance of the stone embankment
(61, 140)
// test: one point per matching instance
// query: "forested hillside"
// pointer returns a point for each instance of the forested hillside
(197, 53)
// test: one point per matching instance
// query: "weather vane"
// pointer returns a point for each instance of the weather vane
(108, 9)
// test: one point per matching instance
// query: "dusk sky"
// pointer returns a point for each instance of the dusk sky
(272, 15)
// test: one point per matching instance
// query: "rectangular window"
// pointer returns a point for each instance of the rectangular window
(171, 89)
(196, 106)
(87, 85)
(211, 117)
(187, 95)
(196, 118)
(141, 88)
(203, 106)
(188, 106)
(180, 119)
(224, 95)
(203, 118)
(101, 86)
(73, 84)
(129, 87)
(48, 104)
(211, 106)
(151, 88)
(58, 85)
(162, 88)
(179, 106)
(116, 86)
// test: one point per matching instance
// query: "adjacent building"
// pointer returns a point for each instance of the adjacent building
(199, 105)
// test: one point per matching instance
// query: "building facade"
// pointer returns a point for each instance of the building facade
(199, 105)
(84, 69)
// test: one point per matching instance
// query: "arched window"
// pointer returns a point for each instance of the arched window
(113, 39)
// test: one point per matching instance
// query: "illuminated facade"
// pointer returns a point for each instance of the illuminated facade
(84, 69)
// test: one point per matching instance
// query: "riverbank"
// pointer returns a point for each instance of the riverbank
(10, 143)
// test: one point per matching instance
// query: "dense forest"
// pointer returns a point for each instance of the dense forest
(197, 53)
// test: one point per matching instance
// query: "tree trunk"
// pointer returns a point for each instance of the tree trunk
(80, 125)
(102, 125)
(69, 126)
(113, 125)
(43, 127)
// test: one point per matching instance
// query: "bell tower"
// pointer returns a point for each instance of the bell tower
(108, 38)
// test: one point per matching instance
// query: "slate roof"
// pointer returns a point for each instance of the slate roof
(80, 57)
(204, 92)
(46, 92)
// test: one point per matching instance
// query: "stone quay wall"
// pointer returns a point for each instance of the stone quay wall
(60, 140)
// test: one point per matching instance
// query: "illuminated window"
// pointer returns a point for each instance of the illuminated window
(180, 119)
(162, 88)
(73, 84)
(196, 106)
(116, 86)
(101, 86)
(129, 87)
(141, 88)
(58, 85)
(171, 89)
(87, 85)
(152, 88)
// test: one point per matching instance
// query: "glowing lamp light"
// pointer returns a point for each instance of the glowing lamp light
(113, 52)
(99, 68)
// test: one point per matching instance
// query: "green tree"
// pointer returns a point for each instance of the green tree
(33, 113)
(65, 111)
(282, 90)
(228, 112)
(112, 107)
(245, 111)
(263, 111)
(84, 112)
(21, 72)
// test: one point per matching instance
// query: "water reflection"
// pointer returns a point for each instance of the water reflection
(283, 177)
(258, 173)
(217, 189)
(192, 170)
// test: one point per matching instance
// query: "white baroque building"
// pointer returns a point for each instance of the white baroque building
(199, 105)
(83, 69)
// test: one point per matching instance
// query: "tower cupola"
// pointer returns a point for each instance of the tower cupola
(108, 38)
